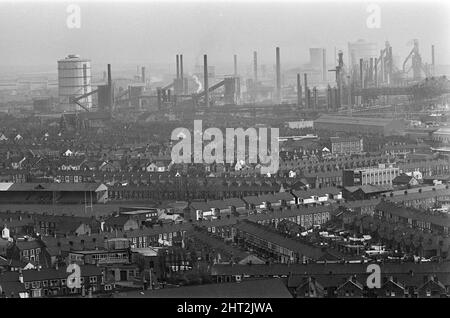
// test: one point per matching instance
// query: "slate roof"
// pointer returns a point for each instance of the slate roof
(58, 187)
(402, 179)
(61, 273)
(264, 288)
(277, 239)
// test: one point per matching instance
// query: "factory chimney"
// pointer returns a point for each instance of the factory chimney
(143, 74)
(181, 66)
(205, 79)
(375, 68)
(110, 89)
(306, 90)
(339, 73)
(315, 97)
(178, 67)
(361, 72)
(255, 66)
(391, 64)
(341, 59)
(329, 97)
(299, 91)
(278, 74)
(432, 55)
(181, 74)
(324, 65)
(432, 60)
(235, 66)
(109, 76)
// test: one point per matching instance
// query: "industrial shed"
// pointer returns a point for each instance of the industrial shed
(361, 125)
(53, 193)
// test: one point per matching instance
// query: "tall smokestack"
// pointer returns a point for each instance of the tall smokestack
(181, 75)
(315, 96)
(299, 91)
(278, 74)
(110, 88)
(306, 90)
(341, 59)
(361, 78)
(205, 79)
(255, 66)
(235, 66)
(432, 55)
(181, 66)
(143, 74)
(324, 65)
(375, 68)
(371, 69)
(432, 60)
(329, 97)
(178, 67)
(391, 64)
(109, 76)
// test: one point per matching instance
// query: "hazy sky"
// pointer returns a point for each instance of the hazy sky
(152, 33)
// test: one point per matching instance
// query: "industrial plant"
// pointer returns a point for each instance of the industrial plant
(371, 83)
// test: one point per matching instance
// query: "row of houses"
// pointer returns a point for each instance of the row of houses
(276, 247)
(36, 283)
(417, 219)
(264, 202)
(405, 280)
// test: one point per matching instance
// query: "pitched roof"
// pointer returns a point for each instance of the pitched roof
(402, 179)
(333, 269)
(58, 187)
(414, 214)
(117, 221)
(267, 288)
(369, 189)
(277, 239)
(61, 273)
(345, 120)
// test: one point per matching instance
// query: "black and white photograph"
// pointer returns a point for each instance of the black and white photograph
(225, 155)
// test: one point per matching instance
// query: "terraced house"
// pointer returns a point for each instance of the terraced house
(53, 282)
(418, 219)
(272, 245)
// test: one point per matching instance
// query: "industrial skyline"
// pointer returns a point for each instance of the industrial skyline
(150, 32)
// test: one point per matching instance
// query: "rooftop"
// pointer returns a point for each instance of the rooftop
(264, 288)
(344, 120)
(57, 187)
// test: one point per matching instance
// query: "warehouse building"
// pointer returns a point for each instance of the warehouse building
(381, 175)
(361, 125)
(53, 193)
(346, 145)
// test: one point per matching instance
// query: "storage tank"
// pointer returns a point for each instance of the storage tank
(74, 80)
